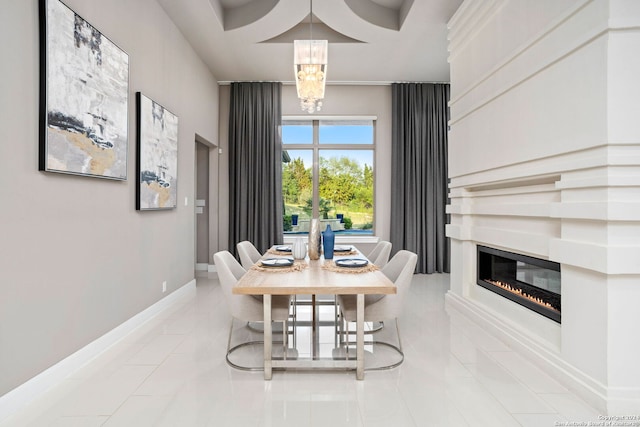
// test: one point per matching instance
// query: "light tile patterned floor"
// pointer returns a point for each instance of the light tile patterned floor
(171, 372)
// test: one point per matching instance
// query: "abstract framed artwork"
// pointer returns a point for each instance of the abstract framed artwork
(84, 95)
(157, 152)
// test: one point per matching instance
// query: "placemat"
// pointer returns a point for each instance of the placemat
(331, 266)
(275, 252)
(298, 265)
(342, 253)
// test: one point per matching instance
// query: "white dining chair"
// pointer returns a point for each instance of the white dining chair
(380, 257)
(380, 308)
(249, 255)
(245, 307)
(380, 253)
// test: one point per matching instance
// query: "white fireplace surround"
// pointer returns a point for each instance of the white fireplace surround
(544, 160)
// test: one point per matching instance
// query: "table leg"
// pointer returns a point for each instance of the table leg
(268, 342)
(314, 328)
(359, 337)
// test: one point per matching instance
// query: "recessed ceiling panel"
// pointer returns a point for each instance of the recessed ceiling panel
(321, 31)
(369, 40)
(383, 13)
(240, 13)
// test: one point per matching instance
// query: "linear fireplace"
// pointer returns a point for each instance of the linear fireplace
(531, 282)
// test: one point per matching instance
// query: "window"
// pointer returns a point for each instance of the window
(328, 173)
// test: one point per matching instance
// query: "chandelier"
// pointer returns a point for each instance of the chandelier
(310, 63)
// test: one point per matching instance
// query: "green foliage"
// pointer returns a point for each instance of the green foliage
(286, 223)
(344, 186)
(368, 176)
(346, 183)
(367, 226)
(339, 179)
(347, 223)
(296, 181)
(308, 207)
(323, 208)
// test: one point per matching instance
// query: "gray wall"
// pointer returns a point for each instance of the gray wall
(76, 258)
(339, 101)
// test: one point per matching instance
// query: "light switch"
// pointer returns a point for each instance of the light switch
(201, 202)
(186, 201)
(199, 210)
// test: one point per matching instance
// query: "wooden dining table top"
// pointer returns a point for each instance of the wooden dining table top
(313, 280)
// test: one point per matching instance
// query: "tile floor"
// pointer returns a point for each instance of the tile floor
(171, 372)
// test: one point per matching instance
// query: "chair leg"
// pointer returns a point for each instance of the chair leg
(230, 332)
(398, 332)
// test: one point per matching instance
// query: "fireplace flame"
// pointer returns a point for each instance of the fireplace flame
(521, 293)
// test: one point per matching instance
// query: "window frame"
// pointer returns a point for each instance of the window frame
(316, 146)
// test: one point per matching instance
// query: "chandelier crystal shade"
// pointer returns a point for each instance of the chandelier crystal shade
(310, 64)
(310, 60)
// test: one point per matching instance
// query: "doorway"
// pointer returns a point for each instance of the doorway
(206, 203)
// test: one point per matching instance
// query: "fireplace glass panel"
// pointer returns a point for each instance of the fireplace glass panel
(539, 277)
(532, 282)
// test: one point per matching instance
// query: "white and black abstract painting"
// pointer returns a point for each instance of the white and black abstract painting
(157, 149)
(84, 97)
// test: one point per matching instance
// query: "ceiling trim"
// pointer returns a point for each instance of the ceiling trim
(339, 83)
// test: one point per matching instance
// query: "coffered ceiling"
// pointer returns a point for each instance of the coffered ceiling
(370, 41)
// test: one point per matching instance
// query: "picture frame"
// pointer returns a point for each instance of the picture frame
(84, 97)
(157, 153)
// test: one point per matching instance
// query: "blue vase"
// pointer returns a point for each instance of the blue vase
(328, 239)
(340, 217)
(294, 219)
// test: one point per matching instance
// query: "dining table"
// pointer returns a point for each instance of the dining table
(313, 277)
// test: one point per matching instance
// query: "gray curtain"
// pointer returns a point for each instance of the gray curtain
(255, 165)
(419, 178)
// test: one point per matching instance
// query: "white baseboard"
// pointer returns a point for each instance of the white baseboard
(206, 267)
(592, 391)
(26, 393)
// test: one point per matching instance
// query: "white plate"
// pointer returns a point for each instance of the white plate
(340, 248)
(283, 248)
(277, 262)
(351, 262)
